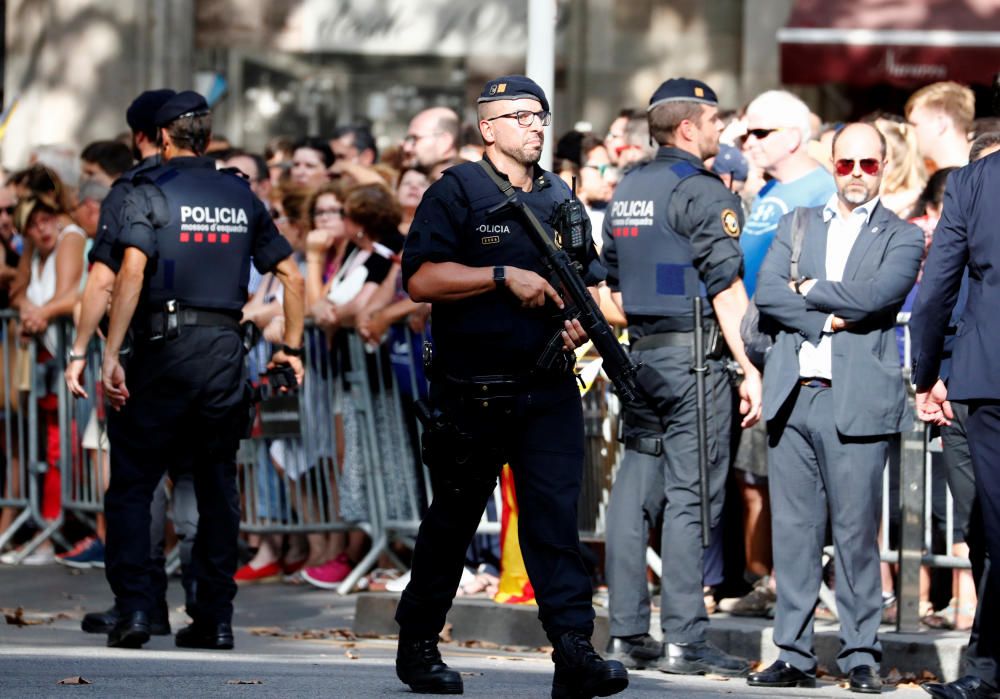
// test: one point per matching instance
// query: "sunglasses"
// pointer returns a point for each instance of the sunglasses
(760, 134)
(9, 210)
(845, 166)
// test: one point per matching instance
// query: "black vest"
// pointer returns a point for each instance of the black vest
(656, 271)
(204, 246)
(492, 333)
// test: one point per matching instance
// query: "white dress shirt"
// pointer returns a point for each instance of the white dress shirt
(817, 360)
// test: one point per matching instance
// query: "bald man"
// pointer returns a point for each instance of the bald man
(833, 398)
(432, 141)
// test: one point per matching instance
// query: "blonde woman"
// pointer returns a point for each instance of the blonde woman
(905, 174)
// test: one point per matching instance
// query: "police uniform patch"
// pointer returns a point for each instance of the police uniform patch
(730, 223)
(502, 87)
(493, 89)
(699, 92)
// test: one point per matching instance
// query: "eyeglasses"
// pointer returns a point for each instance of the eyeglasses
(526, 118)
(9, 210)
(761, 134)
(328, 212)
(845, 166)
(412, 138)
(601, 169)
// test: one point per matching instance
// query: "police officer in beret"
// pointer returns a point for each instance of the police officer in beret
(181, 392)
(671, 233)
(493, 314)
(105, 259)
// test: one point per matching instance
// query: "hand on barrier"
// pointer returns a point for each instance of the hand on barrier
(73, 375)
(113, 378)
(373, 327)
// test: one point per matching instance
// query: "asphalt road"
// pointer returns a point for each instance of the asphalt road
(290, 642)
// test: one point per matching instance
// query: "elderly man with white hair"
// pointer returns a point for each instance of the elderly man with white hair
(778, 129)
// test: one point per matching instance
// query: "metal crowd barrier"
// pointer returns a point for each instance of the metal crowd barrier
(21, 493)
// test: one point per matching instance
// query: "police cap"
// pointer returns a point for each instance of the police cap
(513, 87)
(183, 104)
(683, 90)
(730, 161)
(141, 114)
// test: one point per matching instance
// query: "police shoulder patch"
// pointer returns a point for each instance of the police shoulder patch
(730, 223)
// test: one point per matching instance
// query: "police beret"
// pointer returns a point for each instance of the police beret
(141, 114)
(730, 161)
(682, 90)
(187, 103)
(513, 87)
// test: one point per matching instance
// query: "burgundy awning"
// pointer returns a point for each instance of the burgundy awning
(897, 42)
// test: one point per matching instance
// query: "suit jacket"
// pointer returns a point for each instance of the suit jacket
(868, 391)
(966, 235)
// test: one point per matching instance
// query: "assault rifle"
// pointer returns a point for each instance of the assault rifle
(572, 225)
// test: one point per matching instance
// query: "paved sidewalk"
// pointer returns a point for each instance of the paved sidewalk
(293, 641)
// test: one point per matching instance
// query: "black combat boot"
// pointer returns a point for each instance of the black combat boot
(419, 664)
(581, 673)
(131, 631)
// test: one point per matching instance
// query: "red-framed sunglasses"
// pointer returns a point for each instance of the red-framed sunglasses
(845, 166)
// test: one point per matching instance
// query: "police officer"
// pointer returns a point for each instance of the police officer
(493, 315)
(671, 233)
(189, 234)
(105, 259)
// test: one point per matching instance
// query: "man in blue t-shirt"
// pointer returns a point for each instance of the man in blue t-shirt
(777, 133)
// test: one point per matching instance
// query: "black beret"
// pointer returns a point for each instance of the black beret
(141, 114)
(187, 103)
(683, 90)
(512, 87)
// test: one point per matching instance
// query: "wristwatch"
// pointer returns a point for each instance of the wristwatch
(292, 351)
(500, 276)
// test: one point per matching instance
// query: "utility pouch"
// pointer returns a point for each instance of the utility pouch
(442, 444)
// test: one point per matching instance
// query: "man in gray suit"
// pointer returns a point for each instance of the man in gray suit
(833, 397)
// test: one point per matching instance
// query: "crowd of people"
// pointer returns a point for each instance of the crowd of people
(346, 205)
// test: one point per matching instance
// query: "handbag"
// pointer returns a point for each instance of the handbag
(758, 333)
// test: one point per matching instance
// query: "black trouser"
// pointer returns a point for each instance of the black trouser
(539, 432)
(983, 654)
(188, 403)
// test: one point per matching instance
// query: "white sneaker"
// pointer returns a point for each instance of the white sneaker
(399, 584)
(38, 557)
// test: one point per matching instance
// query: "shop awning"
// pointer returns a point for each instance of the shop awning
(897, 42)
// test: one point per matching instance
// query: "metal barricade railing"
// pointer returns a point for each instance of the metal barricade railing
(24, 386)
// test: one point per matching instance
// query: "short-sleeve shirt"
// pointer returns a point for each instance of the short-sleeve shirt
(150, 226)
(106, 248)
(490, 333)
(773, 201)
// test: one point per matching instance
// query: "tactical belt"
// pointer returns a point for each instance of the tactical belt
(653, 446)
(156, 323)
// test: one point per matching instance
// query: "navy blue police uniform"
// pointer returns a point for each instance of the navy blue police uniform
(670, 233)
(188, 391)
(503, 409)
(965, 239)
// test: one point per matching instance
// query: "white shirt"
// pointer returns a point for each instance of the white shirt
(817, 360)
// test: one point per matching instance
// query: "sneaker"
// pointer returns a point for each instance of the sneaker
(399, 584)
(38, 557)
(89, 553)
(581, 672)
(329, 575)
(248, 574)
(758, 602)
